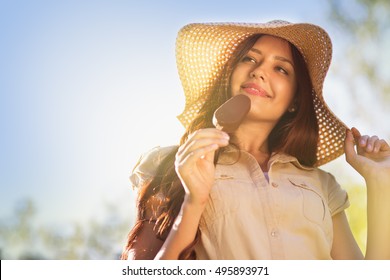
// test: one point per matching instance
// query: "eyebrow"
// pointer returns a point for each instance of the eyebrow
(281, 58)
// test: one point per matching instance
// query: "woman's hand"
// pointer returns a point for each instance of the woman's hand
(372, 161)
(372, 158)
(195, 163)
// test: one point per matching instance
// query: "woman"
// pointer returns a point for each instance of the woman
(257, 193)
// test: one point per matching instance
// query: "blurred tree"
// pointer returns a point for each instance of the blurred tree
(363, 68)
(363, 64)
(357, 214)
(366, 23)
(19, 233)
(22, 238)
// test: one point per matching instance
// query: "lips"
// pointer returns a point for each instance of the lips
(255, 89)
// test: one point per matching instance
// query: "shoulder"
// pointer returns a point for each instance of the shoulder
(298, 174)
(322, 183)
(146, 167)
(289, 164)
(326, 184)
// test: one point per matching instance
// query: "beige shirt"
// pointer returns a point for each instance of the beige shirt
(288, 216)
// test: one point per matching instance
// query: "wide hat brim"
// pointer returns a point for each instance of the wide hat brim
(202, 49)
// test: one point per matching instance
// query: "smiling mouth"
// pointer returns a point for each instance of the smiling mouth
(254, 89)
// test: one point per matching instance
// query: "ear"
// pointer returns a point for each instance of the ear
(292, 109)
(293, 106)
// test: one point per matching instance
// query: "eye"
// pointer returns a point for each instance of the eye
(281, 70)
(248, 59)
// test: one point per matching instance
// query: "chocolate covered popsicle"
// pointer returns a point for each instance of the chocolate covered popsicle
(230, 114)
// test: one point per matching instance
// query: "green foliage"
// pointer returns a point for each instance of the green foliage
(357, 214)
(365, 25)
(21, 238)
(363, 68)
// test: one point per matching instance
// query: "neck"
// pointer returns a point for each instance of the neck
(254, 140)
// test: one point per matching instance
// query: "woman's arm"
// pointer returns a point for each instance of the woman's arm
(344, 244)
(182, 233)
(372, 161)
(195, 168)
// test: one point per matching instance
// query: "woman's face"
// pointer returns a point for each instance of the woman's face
(266, 75)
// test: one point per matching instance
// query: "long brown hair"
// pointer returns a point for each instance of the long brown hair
(295, 134)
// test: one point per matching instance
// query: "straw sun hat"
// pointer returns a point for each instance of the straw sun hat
(203, 49)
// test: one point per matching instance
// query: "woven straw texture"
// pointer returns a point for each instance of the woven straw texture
(203, 49)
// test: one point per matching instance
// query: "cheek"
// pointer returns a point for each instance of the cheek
(240, 74)
(286, 90)
(235, 83)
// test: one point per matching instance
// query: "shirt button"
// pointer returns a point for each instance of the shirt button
(274, 185)
(274, 233)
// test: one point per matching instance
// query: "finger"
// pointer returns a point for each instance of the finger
(209, 133)
(191, 158)
(209, 156)
(384, 145)
(351, 155)
(381, 145)
(196, 144)
(371, 143)
(199, 134)
(349, 149)
(360, 140)
(377, 145)
(356, 133)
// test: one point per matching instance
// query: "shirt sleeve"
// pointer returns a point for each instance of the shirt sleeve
(337, 197)
(147, 165)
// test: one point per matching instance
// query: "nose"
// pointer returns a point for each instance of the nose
(257, 73)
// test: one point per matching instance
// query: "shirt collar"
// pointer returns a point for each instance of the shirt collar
(232, 152)
(285, 158)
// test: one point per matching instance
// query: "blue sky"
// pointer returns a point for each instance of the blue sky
(88, 86)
